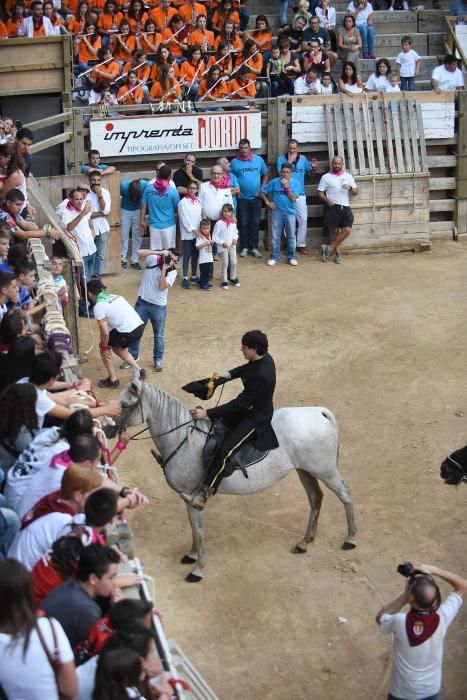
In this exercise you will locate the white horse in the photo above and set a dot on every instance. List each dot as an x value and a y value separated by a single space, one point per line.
308 442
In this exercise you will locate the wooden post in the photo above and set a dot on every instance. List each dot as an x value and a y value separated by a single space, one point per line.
461 167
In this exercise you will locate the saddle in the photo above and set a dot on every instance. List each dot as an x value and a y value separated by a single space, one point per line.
244 457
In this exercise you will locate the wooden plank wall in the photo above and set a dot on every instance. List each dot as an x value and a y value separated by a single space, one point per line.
33 66
56 188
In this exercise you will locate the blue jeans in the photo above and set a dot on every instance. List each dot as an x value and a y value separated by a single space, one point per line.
283 7
99 260
368 37
280 221
408 84
88 268
244 17
9 526
190 252
249 216
156 314
432 697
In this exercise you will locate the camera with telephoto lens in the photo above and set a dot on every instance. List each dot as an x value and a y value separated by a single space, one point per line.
408 570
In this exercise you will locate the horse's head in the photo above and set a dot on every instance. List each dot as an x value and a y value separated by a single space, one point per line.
454 467
132 403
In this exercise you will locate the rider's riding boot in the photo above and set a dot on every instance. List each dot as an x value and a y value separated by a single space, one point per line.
198 498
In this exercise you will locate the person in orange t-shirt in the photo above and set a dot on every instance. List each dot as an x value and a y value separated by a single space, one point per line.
166 89
107 73
230 35
69 7
163 14
15 20
240 87
224 13
137 17
191 70
139 65
222 58
261 35
212 87
97 6
56 19
253 60
175 36
76 24
3 31
109 20
164 58
202 36
87 46
131 93
123 44
189 11
149 40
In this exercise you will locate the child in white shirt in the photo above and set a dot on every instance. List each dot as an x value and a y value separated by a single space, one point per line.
225 234
59 283
189 217
204 246
393 83
408 65
326 84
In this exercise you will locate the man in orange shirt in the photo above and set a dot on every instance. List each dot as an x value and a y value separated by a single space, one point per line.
36 24
189 11
163 14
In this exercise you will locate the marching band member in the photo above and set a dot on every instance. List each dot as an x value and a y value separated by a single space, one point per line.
202 36
106 73
149 40
163 14
213 87
76 23
164 58
241 87
166 88
109 20
130 93
87 45
123 43
191 70
230 34
175 36
137 17
222 14
261 35
189 11
222 58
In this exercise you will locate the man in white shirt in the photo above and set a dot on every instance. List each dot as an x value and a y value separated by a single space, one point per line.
100 208
151 304
76 217
448 77
36 24
334 189
308 84
419 634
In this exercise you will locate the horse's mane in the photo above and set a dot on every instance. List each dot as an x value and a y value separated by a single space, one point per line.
175 411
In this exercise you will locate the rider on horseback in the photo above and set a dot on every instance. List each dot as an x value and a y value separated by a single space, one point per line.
248 416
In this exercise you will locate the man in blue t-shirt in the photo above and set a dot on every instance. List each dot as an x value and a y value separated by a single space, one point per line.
284 191
301 167
131 192
95 164
251 172
160 201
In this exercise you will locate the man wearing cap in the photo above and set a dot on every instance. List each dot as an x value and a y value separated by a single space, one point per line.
248 416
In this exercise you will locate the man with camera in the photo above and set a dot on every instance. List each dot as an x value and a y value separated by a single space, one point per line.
151 305
419 634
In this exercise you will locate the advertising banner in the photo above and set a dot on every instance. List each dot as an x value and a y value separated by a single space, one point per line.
171 133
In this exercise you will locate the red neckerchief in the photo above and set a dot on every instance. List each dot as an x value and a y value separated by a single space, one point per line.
71 207
51 503
207 236
338 173
193 197
225 180
420 626
227 222
218 187
161 186
249 156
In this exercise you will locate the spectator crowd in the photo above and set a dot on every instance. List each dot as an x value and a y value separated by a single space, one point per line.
133 53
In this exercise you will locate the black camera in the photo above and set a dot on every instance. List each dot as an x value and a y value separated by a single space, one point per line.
408 570
167 259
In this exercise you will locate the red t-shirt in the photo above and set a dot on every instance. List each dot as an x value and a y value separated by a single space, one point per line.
44 579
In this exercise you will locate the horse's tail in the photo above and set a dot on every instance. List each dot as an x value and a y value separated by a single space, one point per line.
332 418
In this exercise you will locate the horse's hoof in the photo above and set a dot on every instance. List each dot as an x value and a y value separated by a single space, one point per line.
193 578
298 549
348 545
187 560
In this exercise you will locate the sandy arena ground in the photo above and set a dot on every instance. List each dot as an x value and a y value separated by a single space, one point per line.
380 340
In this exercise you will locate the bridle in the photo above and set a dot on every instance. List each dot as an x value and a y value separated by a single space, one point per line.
124 424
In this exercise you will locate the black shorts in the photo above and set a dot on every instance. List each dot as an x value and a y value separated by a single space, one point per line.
338 216
123 340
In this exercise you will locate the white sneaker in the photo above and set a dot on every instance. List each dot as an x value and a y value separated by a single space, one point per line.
293 262
391 9
244 252
126 365
271 262
255 253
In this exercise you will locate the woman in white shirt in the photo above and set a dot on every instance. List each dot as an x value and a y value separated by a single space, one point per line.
363 11
327 20
27 643
350 82
379 80
119 326
189 217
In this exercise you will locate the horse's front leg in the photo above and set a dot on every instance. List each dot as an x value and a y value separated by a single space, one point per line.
197 554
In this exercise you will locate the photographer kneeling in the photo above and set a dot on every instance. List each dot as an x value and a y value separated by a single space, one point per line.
419 634
151 305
